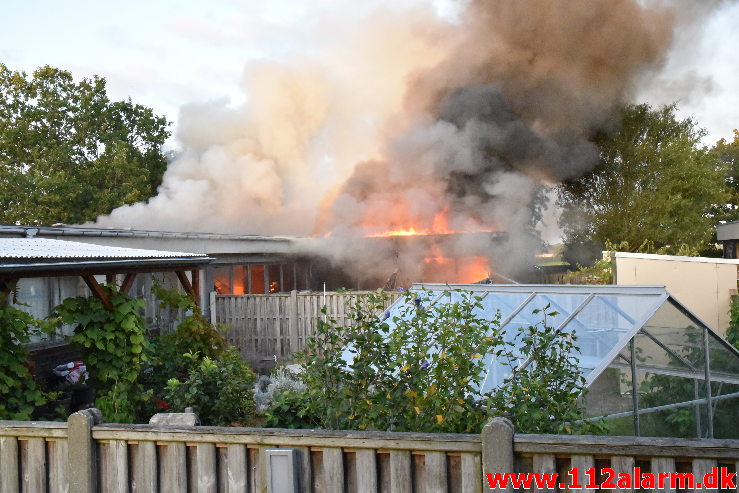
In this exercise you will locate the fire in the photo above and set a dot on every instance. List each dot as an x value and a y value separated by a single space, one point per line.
439 226
439 268
399 232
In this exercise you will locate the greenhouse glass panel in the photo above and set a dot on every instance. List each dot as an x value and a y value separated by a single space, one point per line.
652 368
505 303
562 305
724 364
679 337
606 322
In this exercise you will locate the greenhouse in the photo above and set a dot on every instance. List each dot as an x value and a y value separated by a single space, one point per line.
651 367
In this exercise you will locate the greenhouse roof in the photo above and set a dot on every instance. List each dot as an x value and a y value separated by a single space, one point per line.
629 337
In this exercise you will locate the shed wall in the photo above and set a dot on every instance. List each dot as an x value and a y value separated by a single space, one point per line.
703 285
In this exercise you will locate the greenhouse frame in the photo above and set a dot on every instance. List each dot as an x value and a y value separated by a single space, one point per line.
629 337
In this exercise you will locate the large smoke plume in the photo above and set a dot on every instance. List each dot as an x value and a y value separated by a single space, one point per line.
404 119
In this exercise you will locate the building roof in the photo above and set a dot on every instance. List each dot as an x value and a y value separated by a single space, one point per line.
37 248
22 256
205 243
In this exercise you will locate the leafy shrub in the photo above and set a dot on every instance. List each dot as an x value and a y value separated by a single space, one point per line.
732 332
219 391
171 355
269 388
420 370
545 396
113 345
19 392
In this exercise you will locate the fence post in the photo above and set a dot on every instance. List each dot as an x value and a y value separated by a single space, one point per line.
497 450
82 460
212 306
292 313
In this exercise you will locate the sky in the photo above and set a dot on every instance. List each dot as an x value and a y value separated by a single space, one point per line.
168 53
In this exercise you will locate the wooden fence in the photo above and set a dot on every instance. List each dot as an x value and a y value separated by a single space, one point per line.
86 456
273 327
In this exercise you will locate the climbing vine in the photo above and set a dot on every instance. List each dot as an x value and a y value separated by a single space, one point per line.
19 392
113 346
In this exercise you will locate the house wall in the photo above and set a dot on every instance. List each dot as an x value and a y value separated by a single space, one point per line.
703 285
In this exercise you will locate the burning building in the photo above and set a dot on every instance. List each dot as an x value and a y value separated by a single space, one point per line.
407 143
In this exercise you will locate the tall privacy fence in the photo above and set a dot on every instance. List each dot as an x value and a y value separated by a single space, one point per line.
273 327
85 456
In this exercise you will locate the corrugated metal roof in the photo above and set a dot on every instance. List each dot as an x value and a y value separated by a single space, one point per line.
44 248
130 233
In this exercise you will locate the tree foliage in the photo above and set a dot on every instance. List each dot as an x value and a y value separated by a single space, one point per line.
728 153
68 153
654 181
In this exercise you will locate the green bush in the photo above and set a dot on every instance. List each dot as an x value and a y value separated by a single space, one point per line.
420 371
19 392
219 391
172 355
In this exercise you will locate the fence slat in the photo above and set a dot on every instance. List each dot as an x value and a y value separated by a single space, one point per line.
400 471
237 471
58 472
9 480
34 467
582 463
366 471
622 465
306 473
205 460
436 466
701 467
471 473
144 465
116 467
174 468
663 464
544 464
333 469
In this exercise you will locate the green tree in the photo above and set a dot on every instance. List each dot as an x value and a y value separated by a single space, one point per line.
68 153
728 153
654 182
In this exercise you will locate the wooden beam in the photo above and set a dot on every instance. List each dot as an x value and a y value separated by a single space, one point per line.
196 284
98 291
109 278
182 276
127 282
99 271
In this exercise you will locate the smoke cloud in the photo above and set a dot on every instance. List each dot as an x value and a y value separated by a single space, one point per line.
404 122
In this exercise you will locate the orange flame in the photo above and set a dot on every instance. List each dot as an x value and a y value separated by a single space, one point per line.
439 226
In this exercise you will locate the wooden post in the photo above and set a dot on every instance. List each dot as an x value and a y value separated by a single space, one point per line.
82 453
195 274
182 276
98 291
497 449
293 325
213 314
127 282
